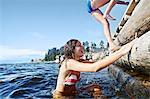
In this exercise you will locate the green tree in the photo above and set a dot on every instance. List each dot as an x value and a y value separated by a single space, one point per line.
101 44
93 46
86 46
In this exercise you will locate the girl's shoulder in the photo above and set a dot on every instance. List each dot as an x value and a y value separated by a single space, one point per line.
66 62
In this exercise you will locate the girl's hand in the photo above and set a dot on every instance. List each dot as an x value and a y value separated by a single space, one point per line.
126 48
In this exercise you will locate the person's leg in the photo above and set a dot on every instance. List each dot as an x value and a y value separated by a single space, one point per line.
97 14
93 9
108 9
98 3
110 6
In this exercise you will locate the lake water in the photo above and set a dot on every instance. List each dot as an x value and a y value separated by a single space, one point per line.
37 81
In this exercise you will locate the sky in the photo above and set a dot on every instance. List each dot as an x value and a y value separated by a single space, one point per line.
28 28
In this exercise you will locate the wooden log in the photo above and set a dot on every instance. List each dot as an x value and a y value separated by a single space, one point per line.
131 7
135 85
139 58
126 17
127 13
139 22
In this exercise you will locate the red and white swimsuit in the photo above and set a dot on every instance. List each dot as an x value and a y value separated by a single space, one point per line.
72 79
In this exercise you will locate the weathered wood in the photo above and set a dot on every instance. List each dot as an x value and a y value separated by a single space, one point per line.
135 85
139 22
131 7
127 14
139 57
126 17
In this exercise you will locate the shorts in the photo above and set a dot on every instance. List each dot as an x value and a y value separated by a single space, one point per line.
89 7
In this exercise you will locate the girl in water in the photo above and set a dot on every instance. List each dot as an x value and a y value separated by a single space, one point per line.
93 8
73 64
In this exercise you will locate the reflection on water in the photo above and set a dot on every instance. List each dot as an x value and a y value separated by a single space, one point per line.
39 80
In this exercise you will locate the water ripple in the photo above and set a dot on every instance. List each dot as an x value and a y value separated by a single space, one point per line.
37 81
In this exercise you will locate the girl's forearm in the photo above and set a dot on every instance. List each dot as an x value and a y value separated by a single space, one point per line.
107 60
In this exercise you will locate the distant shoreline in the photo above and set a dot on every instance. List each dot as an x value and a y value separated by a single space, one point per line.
49 62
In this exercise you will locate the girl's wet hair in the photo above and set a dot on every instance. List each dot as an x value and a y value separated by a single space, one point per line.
69 49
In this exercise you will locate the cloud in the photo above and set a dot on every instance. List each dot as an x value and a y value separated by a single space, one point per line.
7 53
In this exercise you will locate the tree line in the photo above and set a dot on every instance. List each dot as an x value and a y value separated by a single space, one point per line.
52 53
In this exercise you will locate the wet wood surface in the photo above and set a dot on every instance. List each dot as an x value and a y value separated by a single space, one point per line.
136 85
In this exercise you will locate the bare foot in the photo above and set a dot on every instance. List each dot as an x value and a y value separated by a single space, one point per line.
109 17
122 2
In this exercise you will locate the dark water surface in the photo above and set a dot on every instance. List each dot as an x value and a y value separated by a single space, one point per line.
39 80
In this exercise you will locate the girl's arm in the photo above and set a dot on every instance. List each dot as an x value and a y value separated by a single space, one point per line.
100 64
93 67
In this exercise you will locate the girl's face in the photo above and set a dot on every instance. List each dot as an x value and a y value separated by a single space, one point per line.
79 50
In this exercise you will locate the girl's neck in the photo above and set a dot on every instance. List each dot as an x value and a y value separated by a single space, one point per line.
77 58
